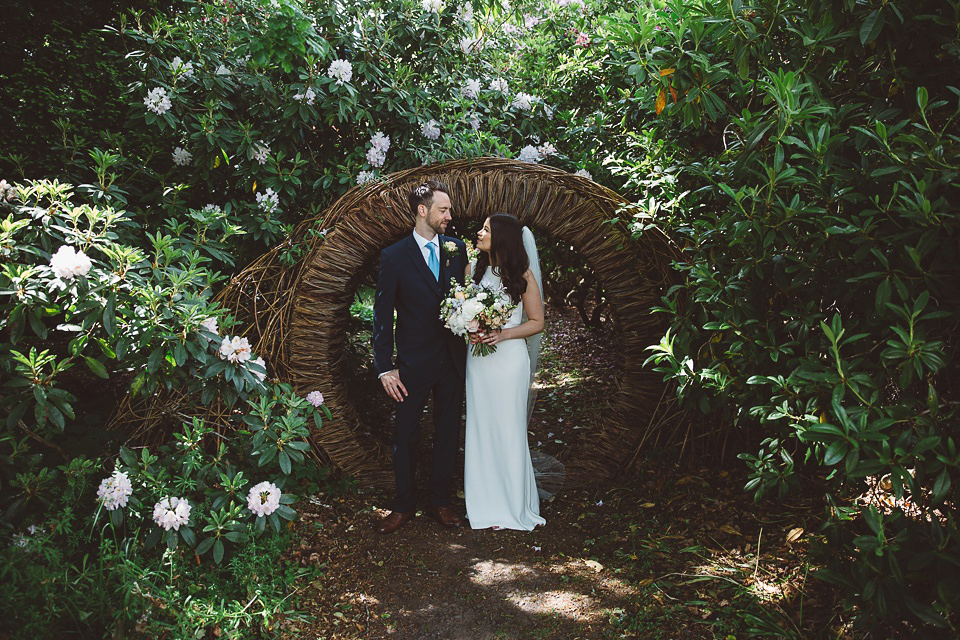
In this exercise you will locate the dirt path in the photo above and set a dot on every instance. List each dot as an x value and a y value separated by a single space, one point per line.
669 555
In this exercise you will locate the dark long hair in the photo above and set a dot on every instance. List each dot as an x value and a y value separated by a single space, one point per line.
509 256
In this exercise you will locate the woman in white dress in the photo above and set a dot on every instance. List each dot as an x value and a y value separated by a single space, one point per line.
499 483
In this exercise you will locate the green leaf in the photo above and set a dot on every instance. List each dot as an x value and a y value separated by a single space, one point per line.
96 366
137 382
56 417
129 457
152 538
218 551
110 315
941 486
871 27
37 325
922 98
835 453
154 360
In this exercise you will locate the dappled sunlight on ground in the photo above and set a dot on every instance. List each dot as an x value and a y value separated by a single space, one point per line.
667 555
488 572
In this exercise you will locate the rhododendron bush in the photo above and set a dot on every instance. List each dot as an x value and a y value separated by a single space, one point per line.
802 154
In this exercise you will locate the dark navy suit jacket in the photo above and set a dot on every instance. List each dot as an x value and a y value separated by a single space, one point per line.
405 284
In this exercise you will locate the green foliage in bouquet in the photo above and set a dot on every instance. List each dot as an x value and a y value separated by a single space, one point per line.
808 163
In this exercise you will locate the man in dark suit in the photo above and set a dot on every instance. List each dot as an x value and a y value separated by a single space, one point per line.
413 279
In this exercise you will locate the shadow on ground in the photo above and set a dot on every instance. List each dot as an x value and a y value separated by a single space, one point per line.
668 554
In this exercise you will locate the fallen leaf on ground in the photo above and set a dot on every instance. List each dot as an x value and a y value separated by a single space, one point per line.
593 564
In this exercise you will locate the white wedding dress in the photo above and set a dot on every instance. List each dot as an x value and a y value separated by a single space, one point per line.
498 478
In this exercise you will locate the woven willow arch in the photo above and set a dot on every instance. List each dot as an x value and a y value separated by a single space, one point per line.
298 317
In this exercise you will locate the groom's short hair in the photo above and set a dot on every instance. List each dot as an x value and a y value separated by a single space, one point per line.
422 194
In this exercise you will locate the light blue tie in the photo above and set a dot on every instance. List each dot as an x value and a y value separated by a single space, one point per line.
432 261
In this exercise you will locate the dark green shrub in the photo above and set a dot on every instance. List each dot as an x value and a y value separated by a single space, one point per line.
812 157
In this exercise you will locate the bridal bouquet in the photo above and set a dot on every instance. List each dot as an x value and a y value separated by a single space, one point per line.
476 307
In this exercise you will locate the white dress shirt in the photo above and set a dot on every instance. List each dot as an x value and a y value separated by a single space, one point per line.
424 251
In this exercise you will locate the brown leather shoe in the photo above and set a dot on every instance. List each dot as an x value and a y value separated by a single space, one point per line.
394 520
445 516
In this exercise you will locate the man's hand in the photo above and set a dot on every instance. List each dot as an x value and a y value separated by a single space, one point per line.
393 386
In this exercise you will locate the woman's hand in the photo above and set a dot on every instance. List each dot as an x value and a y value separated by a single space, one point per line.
493 337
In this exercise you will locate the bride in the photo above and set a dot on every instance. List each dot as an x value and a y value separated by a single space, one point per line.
499 483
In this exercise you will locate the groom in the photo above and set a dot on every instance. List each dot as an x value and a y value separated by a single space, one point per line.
413 279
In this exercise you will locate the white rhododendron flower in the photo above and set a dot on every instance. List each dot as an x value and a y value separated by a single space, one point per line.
179 67
474 121
223 71
471 89
315 398
529 154
380 141
523 101
210 324
263 499
377 153
307 96
261 376
7 191
470 45
171 513
498 84
261 151
436 6
341 70
430 130
235 349
157 101
376 157
268 201
366 176
465 12
583 173
547 149
67 263
182 157
115 491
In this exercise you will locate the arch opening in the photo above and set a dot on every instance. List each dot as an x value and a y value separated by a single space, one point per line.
569 210
299 319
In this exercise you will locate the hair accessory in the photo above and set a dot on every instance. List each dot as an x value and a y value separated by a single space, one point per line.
421 191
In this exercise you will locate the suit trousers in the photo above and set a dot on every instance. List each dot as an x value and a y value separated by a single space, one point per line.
447 388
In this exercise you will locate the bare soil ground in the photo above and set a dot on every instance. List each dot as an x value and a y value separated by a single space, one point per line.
669 552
